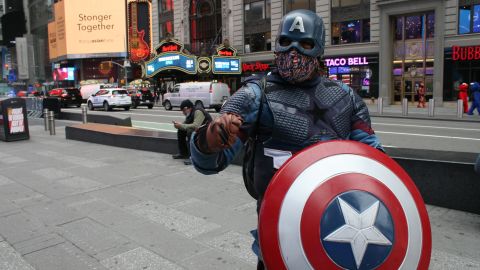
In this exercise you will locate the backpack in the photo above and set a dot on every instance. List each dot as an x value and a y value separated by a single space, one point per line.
250 147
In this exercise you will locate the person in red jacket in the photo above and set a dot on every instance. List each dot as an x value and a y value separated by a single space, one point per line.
463 95
421 95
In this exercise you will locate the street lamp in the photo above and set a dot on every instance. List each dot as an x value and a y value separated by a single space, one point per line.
126 64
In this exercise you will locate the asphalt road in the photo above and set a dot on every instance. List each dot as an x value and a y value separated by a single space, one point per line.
457 136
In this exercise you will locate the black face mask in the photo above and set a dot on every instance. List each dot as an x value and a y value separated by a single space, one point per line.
295 67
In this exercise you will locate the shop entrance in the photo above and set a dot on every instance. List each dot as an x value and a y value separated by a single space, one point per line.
410 88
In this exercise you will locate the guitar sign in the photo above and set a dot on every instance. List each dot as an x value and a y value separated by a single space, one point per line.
139 49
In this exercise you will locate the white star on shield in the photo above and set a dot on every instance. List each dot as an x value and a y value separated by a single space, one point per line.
359 230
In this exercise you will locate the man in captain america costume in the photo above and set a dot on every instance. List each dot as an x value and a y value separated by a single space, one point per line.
298 109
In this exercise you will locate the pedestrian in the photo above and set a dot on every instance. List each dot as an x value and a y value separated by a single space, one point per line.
421 95
475 88
290 109
194 118
463 95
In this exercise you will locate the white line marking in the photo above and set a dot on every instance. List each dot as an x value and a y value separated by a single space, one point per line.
421 126
152 128
425 135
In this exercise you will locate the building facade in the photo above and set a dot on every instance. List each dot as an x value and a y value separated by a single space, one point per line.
382 48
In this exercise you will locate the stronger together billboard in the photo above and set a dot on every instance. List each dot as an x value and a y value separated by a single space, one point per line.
87 27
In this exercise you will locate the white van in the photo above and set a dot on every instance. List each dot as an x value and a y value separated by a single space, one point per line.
202 94
87 90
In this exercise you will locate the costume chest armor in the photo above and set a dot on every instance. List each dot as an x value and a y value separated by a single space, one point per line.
304 116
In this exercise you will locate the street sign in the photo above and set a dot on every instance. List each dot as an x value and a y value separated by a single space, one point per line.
343 205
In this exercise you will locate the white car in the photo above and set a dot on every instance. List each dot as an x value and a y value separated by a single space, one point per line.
110 98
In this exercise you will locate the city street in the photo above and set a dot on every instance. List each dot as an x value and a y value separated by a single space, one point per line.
431 134
74 205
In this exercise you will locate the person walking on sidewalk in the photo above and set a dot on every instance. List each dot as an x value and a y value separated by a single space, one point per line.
194 118
292 108
463 95
421 96
475 87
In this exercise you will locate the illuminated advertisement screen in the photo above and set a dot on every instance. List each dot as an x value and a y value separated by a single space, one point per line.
89 27
226 65
64 74
176 61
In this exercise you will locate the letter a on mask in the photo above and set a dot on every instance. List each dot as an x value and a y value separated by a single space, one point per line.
297 24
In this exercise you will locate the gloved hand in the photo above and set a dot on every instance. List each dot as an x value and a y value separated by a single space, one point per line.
219 134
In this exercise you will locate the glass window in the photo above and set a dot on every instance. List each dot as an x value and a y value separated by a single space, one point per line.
464 20
166 27
258 42
335 3
165 6
413 27
430 25
399 28
268 9
205 26
346 3
254 11
299 4
476 18
351 31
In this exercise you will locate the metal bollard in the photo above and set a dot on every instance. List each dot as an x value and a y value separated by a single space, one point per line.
84 113
431 107
51 122
460 108
45 118
380 105
404 107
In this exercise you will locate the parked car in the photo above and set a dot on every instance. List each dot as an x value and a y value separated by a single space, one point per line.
110 98
141 97
67 96
202 94
87 90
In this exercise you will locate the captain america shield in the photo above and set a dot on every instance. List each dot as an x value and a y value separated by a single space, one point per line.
343 205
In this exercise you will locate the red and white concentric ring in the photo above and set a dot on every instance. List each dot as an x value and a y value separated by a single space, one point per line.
280 226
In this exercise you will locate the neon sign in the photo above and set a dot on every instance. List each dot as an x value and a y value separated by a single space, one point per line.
226 65
170 48
465 53
257 66
348 61
225 53
178 61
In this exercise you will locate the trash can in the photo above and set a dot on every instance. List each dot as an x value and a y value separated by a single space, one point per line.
13 120
52 104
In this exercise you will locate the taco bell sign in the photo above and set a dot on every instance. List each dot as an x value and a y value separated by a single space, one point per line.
347 61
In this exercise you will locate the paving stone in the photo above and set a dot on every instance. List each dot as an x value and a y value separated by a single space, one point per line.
447 261
52 173
38 243
188 225
91 236
20 227
216 259
5 180
234 220
235 244
53 213
170 245
151 193
138 259
11 260
116 197
62 257
6 206
76 160
111 216
15 192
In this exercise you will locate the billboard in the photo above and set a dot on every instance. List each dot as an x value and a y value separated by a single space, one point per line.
64 74
52 40
139 36
89 27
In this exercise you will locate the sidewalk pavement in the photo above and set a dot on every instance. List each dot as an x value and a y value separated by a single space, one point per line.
446 112
75 205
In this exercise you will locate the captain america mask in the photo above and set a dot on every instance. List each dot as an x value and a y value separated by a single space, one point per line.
295 67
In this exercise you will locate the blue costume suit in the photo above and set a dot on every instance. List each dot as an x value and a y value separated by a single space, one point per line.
476 99
294 116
